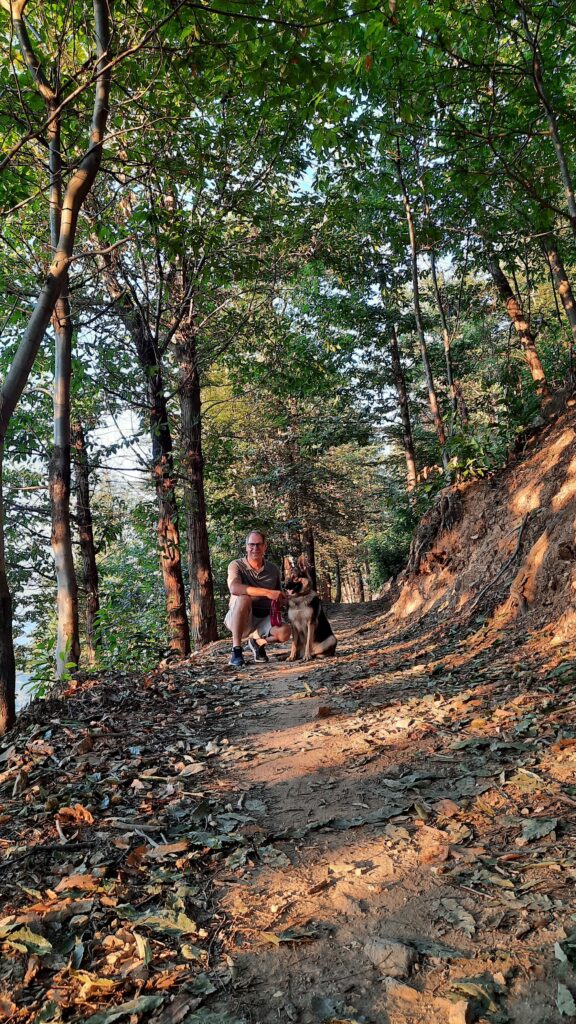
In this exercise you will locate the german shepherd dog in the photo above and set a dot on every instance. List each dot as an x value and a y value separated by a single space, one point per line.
311 632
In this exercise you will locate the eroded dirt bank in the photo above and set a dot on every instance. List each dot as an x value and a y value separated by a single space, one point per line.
386 836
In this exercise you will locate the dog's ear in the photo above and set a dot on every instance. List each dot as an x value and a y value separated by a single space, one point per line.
303 565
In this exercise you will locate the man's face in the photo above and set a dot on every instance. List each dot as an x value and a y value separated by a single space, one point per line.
255 547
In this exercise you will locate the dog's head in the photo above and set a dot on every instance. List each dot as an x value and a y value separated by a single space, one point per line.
299 581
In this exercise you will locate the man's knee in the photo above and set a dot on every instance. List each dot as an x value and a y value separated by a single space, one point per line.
242 606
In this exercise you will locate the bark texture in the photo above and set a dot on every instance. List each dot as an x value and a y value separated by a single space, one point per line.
86 538
456 397
68 634
203 623
309 550
400 385
163 471
563 287
432 395
521 326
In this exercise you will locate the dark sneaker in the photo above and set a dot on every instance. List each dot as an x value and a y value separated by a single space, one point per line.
237 658
258 650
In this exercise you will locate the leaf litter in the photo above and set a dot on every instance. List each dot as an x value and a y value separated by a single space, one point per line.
198 846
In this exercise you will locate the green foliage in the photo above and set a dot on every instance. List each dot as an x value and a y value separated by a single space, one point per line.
131 624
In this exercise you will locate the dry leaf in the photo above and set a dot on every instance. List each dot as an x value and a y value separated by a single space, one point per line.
77 815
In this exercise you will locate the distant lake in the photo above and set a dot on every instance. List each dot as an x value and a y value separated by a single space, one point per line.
23 696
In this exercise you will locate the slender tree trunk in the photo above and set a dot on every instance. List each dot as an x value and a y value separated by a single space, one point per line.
541 92
359 584
203 621
163 472
86 536
68 636
456 396
432 396
337 581
78 188
521 326
367 587
7 661
562 284
400 385
310 553
168 529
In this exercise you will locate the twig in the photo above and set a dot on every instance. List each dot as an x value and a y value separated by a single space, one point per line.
505 566
37 851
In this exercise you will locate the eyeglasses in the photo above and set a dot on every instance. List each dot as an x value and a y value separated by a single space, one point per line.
260 545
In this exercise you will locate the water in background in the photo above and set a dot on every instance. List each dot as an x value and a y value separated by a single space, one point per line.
23 694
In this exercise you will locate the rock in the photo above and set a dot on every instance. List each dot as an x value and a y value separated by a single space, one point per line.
393 958
461 1013
404 993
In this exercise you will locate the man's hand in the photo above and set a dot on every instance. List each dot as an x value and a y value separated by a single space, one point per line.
276 595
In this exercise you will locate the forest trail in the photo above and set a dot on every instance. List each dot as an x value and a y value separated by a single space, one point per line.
386 836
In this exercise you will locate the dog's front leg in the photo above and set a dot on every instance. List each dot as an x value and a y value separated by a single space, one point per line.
294 652
310 634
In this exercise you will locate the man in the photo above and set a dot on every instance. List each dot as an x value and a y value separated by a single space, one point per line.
253 583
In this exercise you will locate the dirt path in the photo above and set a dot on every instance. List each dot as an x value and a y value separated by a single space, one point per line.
382 837
432 892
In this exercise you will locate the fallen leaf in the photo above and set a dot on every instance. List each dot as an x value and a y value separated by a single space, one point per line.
537 828
27 941
77 815
565 1001
143 1004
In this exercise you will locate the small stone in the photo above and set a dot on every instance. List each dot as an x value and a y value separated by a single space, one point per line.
393 958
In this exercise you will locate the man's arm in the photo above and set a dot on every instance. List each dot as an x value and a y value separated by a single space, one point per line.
239 589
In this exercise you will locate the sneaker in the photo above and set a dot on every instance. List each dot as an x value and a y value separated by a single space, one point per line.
237 658
258 650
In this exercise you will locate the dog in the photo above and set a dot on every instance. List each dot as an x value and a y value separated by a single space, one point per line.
311 632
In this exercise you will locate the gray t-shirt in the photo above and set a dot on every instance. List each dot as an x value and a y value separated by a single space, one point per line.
239 571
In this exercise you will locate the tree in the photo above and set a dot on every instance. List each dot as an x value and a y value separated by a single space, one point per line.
79 184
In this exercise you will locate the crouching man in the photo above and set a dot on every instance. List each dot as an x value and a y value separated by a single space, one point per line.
253 583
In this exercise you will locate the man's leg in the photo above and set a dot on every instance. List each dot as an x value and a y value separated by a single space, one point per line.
264 630
279 634
240 619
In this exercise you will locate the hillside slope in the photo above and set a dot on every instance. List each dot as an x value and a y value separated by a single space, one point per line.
509 552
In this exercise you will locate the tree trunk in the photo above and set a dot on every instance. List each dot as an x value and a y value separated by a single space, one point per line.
456 396
400 385
168 529
78 188
68 636
432 396
562 284
86 536
163 472
309 551
367 587
337 582
359 584
7 661
540 89
521 326
203 622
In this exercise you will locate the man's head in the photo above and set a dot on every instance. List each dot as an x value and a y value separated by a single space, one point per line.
255 546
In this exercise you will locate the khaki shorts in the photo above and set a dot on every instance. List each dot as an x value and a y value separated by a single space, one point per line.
256 627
